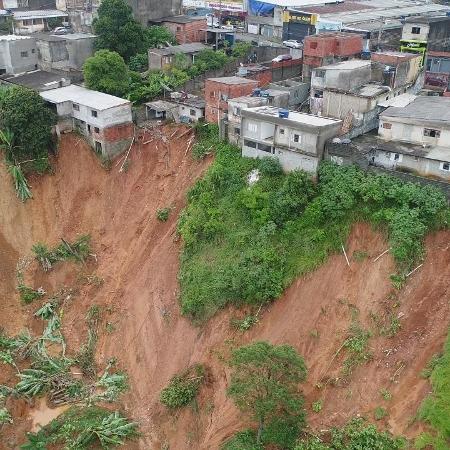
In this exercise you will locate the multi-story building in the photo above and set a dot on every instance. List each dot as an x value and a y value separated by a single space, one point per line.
18 54
296 139
104 120
161 58
219 90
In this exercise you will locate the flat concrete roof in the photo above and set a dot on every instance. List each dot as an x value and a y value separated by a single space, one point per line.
38 14
13 37
183 48
161 105
37 79
247 99
86 97
63 37
400 101
425 109
352 64
233 80
294 116
180 19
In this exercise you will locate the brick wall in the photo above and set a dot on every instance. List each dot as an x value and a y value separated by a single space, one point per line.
188 32
325 44
215 92
117 132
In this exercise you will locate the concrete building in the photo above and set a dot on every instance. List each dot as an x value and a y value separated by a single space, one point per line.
425 32
160 58
437 75
219 90
271 97
328 48
297 140
186 110
186 29
38 80
297 90
28 4
413 139
66 53
26 22
104 120
18 54
147 11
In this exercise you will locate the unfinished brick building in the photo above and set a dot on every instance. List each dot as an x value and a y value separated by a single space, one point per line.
219 90
329 48
186 29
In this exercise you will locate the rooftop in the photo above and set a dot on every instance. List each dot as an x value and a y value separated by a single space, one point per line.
352 64
370 90
86 97
424 109
38 14
183 48
62 37
180 19
37 79
232 80
428 19
247 99
13 37
294 116
161 105
403 55
296 3
399 102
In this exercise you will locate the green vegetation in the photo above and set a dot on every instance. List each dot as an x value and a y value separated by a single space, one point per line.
86 356
435 410
241 48
356 435
357 349
5 416
264 384
379 413
244 440
385 394
244 324
83 428
317 406
244 243
77 251
117 30
25 135
359 255
27 294
182 389
107 72
163 214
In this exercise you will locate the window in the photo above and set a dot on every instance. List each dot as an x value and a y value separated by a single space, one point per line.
237 131
313 45
431 133
94 113
27 22
33 50
98 146
296 138
76 107
178 28
415 30
212 94
24 54
396 157
250 144
223 97
386 125
236 110
97 129
37 22
281 131
320 73
252 127
265 148
445 166
89 128
192 112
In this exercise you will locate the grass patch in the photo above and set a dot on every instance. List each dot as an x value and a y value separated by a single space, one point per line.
357 346
182 389
244 243
435 409
317 406
86 356
83 428
379 413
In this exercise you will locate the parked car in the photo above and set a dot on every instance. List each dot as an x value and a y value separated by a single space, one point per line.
292 43
280 58
62 30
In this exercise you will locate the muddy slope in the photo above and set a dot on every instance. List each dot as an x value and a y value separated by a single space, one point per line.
138 261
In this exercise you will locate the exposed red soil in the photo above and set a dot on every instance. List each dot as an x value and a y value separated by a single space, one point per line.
138 261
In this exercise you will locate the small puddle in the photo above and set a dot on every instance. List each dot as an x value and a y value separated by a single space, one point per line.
42 415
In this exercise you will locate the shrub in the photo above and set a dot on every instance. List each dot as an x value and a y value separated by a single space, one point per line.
163 214
182 389
379 413
243 440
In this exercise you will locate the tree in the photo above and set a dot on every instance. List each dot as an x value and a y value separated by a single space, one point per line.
264 383
158 35
117 30
107 72
138 62
27 122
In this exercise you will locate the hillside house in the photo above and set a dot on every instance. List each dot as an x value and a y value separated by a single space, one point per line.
104 120
26 22
161 58
18 54
296 139
186 29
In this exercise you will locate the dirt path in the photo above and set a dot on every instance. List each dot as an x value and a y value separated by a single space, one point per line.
138 262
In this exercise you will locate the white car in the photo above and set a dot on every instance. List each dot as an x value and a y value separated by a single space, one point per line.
280 58
292 43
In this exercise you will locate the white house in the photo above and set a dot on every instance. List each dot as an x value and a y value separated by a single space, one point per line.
18 54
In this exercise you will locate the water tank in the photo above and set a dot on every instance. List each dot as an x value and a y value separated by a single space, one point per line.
283 113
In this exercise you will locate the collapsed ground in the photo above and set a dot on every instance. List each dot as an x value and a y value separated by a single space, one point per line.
138 261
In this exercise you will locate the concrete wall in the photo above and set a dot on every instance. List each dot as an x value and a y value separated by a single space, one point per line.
18 56
298 91
408 34
148 10
345 80
194 114
390 129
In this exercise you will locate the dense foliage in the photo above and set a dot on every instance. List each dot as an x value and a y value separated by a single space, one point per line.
156 36
356 435
27 121
264 384
244 243
182 389
435 409
83 428
107 72
117 30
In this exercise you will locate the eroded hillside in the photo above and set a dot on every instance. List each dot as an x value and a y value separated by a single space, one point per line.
138 260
